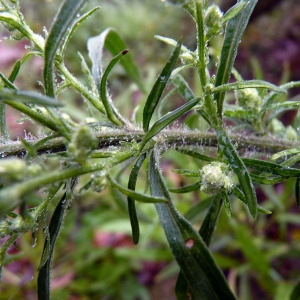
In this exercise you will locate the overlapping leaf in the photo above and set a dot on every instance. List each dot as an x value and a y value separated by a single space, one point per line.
58 33
111 40
199 270
159 86
233 34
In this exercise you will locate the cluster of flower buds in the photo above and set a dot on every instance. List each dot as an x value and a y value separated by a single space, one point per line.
215 178
213 21
249 99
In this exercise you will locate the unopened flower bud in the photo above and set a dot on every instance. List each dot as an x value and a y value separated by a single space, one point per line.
216 177
277 128
248 98
291 134
99 182
213 21
83 142
12 168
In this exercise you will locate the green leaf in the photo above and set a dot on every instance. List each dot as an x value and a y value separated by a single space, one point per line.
258 84
197 266
187 172
196 155
278 108
271 168
166 120
241 115
111 40
131 203
263 179
233 34
171 42
13 75
58 33
240 170
74 26
187 94
195 212
239 194
112 113
54 229
27 97
233 11
210 221
159 86
135 195
7 82
186 189
183 88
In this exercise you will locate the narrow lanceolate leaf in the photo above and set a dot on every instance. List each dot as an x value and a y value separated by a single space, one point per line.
167 119
233 11
7 82
58 33
74 26
198 271
13 75
258 84
239 194
183 88
240 170
112 41
187 172
27 97
196 155
112 113
233 34
187 188
54 229
271 168
159 86
210 221
131 203
135 195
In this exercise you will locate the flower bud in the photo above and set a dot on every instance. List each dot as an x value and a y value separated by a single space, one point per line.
213 21
291 134
215 178
248 98
98 182
83 142
12 168
277 128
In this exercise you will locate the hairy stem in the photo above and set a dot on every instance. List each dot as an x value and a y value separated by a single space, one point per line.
168 138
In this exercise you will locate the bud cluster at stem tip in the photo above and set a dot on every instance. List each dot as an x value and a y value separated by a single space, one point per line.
248 99
215 178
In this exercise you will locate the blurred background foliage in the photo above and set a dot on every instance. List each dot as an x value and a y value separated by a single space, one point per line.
94 257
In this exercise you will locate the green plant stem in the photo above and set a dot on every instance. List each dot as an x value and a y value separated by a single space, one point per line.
3 125
168 138
17 191
32 114
201 44
79 87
